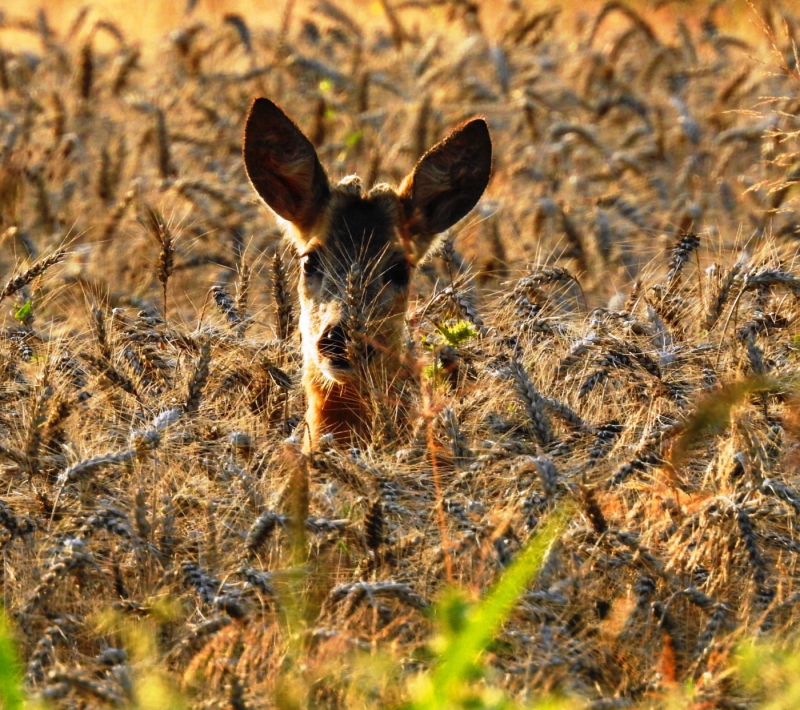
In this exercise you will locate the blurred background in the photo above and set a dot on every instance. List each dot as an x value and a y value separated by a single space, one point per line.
148 19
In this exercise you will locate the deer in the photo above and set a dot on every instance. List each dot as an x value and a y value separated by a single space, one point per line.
357 250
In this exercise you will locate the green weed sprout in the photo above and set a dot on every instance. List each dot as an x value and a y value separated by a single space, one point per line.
467 631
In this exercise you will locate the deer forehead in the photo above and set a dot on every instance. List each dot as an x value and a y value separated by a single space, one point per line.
358 228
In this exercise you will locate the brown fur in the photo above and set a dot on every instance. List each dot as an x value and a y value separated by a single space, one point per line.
382 234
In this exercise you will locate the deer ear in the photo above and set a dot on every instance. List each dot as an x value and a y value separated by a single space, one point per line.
447 182
283 166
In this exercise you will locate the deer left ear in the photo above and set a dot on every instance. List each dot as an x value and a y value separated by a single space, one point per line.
447 182
283 166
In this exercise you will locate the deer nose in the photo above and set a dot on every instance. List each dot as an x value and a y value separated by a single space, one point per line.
333 345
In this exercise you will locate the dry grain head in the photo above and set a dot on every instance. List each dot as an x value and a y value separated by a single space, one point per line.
358 250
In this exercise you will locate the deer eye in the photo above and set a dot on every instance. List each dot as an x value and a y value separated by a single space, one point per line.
398 274
312 264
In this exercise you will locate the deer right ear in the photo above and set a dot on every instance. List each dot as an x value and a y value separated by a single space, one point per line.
447 182
283 166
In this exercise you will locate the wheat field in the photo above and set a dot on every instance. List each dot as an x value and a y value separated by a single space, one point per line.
611 335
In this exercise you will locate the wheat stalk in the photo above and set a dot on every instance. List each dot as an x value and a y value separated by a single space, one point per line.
18 282
158 228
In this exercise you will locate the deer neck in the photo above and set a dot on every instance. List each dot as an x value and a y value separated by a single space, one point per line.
342 410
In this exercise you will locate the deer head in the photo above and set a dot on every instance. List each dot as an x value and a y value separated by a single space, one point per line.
358 248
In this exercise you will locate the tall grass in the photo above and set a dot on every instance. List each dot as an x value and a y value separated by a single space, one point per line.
615 325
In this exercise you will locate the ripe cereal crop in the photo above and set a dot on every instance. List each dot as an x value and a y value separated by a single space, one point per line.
606 336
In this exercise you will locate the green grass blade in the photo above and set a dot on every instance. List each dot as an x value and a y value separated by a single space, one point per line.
487 618
10 673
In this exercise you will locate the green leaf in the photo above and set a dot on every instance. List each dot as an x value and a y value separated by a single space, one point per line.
453 614
457 333
10 672
469 632
353 139
433 373
24 311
